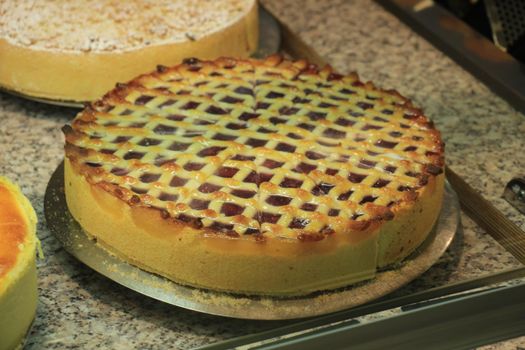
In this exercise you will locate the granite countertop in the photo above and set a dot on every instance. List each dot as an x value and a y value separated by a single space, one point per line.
484 142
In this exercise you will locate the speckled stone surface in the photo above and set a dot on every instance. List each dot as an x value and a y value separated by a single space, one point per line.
80 309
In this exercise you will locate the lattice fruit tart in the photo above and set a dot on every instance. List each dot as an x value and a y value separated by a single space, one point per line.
18 244
76 50
265 177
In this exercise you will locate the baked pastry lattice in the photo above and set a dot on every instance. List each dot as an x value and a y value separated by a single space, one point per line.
260 150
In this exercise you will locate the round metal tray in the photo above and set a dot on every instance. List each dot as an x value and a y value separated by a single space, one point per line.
76 242
269 43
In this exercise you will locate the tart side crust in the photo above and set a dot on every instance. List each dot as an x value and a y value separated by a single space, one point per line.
412 223
242 264
217 261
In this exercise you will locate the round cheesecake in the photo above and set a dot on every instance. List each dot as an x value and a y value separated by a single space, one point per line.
269 177
77 50
18 288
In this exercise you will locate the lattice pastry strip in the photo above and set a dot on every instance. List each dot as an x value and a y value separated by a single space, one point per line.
269 147
217 93
223 201
289 201
375 139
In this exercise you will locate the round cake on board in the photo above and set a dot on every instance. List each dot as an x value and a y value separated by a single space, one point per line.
77 50
269 177
18 244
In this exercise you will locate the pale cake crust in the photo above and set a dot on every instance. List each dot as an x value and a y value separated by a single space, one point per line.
18 284
373 210
80 72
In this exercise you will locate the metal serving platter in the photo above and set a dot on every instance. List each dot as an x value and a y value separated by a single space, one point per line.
76 242
269 43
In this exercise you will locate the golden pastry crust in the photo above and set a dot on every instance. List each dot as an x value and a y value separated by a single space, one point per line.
75 72
266 177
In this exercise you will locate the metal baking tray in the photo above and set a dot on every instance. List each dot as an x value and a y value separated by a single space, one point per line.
76 242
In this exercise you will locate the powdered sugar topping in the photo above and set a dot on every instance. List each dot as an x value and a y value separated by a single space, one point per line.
109 25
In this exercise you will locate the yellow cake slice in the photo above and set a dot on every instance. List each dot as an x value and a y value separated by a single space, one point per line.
18 286
77 50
